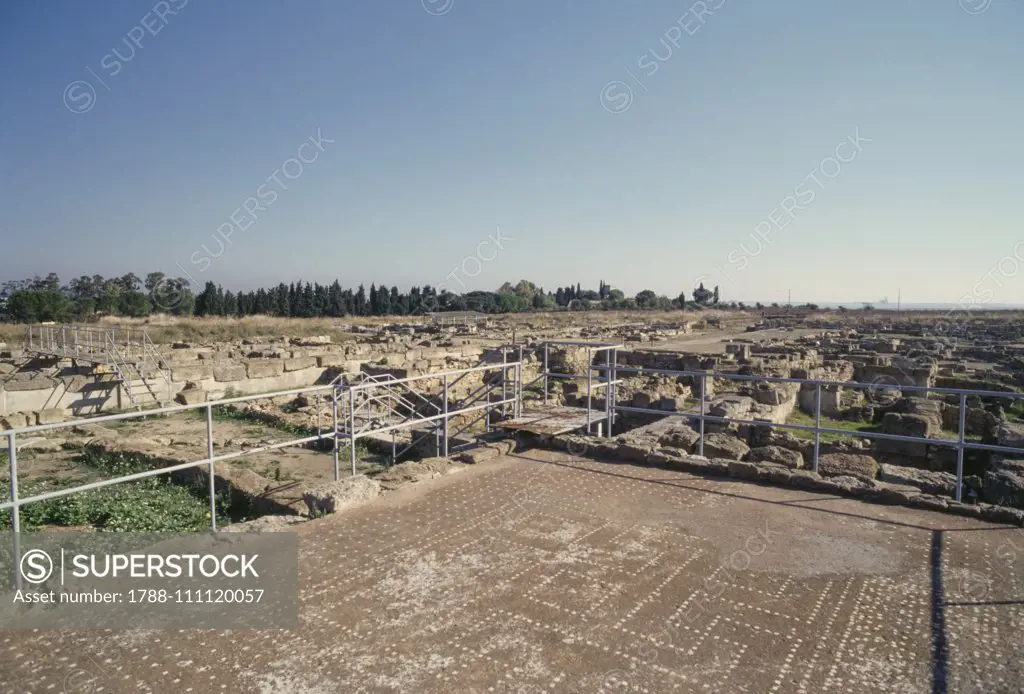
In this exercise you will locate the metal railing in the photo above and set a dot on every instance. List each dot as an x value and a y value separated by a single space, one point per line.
960 444
130 353
484 400
337 392
609 381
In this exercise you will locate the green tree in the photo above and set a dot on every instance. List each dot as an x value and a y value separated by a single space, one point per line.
646 299
132 303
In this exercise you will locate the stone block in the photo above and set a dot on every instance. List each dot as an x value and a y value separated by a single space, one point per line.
75 384
334 359
229 372
643 399
41 444
732 407
928 481
264 369
672 404
908 425
312 340
21 384
724 446
804 479
682 438
300 363
335 496
1004 487
1011 434
479 455
776 454
633 452
777 475
1001 514
17 420
848 464
191 397
769 396
49 416
191 373
744 471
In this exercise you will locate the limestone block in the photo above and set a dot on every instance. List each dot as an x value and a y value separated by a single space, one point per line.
672 404
724 446
264 369
17 420
335 496
75 384
224 373
51 416
334 359
191 373
776 454
300 363
38 383
1004 487
191 397
848 464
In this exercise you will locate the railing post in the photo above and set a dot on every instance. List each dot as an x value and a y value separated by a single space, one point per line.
960 447
444 403
522 392
703 390
545 373
334 410
12 458
519 384
318 427
613 388
504 380
590 382
352 428
817 424
608 393
213 480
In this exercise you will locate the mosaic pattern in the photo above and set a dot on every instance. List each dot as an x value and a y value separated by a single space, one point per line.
547 573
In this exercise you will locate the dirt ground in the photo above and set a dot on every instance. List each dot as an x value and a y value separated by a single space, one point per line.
547 573
714 341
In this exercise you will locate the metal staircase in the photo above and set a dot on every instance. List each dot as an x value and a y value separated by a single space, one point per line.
385 402
128 353
408 418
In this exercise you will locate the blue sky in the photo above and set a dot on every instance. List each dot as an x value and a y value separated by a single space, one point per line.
487 115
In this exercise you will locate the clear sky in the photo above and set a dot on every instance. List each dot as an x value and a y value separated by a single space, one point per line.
451 119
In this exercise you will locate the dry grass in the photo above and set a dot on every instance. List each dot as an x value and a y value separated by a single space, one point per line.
165 329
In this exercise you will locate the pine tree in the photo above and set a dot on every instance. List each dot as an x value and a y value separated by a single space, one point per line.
359 301
335 307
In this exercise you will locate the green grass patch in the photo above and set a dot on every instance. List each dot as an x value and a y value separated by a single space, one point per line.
1015 410
154 504
801 418
804 419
